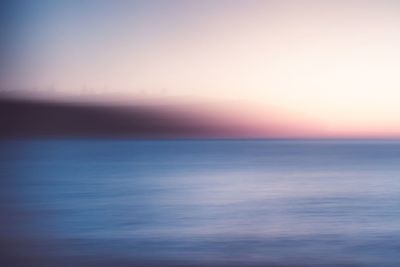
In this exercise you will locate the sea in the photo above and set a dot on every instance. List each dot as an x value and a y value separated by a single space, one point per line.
94 202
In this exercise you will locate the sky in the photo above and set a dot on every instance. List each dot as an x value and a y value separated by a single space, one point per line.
323 68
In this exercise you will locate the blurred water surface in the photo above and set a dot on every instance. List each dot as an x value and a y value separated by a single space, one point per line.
261 203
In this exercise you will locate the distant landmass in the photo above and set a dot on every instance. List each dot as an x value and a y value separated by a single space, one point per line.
21 118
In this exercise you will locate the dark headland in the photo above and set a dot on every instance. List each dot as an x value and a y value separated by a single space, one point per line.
22 118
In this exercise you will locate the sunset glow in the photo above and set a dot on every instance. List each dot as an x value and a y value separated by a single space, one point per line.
313 68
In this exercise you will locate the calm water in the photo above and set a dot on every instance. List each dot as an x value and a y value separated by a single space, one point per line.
200 203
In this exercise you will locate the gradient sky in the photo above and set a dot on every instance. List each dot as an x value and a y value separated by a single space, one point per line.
330 68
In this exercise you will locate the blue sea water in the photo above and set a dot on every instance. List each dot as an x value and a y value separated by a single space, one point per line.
199 203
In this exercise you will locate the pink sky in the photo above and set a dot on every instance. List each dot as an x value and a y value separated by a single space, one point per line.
303 68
